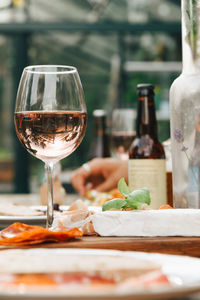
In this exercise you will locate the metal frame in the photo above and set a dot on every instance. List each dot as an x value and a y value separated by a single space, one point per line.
20 33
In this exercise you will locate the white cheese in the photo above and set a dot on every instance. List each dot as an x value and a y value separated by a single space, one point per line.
165 222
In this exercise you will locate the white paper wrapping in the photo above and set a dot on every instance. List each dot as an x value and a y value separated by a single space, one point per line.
149 223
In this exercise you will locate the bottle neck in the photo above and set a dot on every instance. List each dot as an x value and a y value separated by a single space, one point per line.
146 120
190 36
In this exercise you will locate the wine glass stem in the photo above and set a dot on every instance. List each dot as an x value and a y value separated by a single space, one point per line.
49 169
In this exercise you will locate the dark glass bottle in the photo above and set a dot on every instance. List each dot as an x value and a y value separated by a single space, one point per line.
100 144
147 165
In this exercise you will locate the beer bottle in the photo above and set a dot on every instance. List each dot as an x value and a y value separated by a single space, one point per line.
147 165
100 144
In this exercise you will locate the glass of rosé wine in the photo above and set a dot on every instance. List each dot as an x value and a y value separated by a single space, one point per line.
122 131
50 116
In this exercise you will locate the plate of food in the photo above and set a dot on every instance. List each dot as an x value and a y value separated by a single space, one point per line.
78 215
28 214
36 214
131 214
95 274
11 212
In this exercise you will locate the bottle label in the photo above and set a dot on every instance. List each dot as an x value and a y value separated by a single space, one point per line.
149 173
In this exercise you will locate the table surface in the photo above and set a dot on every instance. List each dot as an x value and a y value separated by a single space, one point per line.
189 246
168 245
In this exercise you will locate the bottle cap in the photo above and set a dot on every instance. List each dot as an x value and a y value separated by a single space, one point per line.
144 89
99 113
148 86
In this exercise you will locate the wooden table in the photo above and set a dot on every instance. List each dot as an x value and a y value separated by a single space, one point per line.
169 245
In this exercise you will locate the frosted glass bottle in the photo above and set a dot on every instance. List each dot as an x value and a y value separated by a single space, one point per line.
185 113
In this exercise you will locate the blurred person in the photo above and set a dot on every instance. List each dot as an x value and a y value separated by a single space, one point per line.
101 174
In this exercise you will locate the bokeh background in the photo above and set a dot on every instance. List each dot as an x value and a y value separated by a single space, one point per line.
115 44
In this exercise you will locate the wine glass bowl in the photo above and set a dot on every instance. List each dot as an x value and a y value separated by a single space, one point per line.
50 116
122 131
50 136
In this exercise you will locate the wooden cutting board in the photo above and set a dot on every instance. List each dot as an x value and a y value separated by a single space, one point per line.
168 245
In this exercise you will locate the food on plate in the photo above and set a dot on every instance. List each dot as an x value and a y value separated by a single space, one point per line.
133 200
11 209
71 223
22 234
78 204
89 272
149 280
137 199
122 198
78 215
52 280
165 206
82 281
18 210
92 221
99 198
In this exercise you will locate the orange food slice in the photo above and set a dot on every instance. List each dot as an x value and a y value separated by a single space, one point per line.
22 234
165 206
115 193
34 279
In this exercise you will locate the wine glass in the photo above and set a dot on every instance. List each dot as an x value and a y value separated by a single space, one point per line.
50 116
122 131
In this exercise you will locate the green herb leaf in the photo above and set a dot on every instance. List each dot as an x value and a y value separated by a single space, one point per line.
135 205
138 197
134 199
114 204
123 187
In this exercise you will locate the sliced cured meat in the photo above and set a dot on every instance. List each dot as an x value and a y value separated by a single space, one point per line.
22 234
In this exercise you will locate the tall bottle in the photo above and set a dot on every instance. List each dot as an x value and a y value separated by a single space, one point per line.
185 112
100 144
193 191
147 165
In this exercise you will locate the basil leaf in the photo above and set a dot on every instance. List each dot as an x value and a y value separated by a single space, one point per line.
114 204
123 187
138 197
135 205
